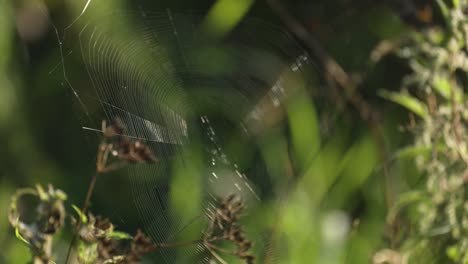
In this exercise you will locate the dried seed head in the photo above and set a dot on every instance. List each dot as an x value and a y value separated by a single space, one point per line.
224 226
122 149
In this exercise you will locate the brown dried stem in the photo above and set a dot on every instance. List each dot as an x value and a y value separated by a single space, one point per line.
114 152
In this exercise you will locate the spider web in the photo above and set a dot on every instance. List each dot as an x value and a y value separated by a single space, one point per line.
201 104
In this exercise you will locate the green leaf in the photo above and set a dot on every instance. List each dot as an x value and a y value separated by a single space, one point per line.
385 24
186 188
61 195
356 166
323 170
119 235
409 102
443 8
304 127
404 199
443 87
41 193
224 15
20 237
83 217
453 253
412 151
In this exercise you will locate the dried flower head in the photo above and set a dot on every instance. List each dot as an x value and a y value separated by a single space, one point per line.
48 220
99 242
117 149
224 226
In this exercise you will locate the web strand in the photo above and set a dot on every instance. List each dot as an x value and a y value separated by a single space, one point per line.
157 77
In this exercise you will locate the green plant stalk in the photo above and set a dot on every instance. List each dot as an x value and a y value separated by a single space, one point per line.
89 193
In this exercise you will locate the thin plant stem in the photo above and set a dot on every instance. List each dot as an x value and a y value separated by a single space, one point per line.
222 250
214 254
89 193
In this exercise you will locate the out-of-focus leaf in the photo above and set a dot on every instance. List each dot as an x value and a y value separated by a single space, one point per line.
118 235
335 230
407 101
186 191
20 237
412 151
225 14
304 127
324 169
385 24
453 253
300 229
83 217
42 194
356 166
443 8
61 195
443 87
404 200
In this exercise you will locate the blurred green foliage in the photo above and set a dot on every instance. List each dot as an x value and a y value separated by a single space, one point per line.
435 91
331 181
